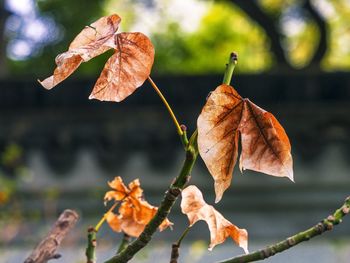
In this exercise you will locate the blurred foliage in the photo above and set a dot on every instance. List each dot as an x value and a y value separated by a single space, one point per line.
224 27
11 168
206 50
70 16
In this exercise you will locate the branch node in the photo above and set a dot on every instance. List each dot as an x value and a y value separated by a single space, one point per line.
329 226
291 241
345 210
331 218
320 228
174 192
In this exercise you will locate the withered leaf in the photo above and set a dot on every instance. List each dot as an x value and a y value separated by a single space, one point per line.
218 135
134 212
120 191
194 206
125 70
92 41
265 145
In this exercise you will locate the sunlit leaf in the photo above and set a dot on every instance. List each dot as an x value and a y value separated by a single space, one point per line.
194 206
134 212
265 144
92 41
218 135
127 69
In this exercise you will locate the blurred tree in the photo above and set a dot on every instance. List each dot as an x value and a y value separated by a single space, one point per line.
3 17
279 35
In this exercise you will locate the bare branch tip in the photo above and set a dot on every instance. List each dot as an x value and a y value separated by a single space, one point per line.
234 56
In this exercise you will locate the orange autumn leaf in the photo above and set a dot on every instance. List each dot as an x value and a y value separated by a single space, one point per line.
134 212
123 73
265 145
120 191
218 135
194 206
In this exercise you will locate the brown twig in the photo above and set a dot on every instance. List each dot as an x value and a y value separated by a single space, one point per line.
46 249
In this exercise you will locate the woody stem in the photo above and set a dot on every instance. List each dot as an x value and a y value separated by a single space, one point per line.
326 224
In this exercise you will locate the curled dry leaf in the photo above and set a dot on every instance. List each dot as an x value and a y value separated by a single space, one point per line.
134 213
194 206
265 145
120 191
92 41
125 70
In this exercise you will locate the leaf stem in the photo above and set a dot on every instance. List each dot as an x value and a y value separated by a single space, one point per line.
103 219
165 102
326 224
175 248
183 235
230 67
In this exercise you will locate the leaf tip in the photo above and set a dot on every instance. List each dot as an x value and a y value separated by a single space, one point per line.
218 199
47 83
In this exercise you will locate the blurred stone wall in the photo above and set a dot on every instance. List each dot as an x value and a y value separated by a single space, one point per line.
73 146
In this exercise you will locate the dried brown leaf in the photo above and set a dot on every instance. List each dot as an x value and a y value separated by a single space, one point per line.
92 41
218 135
119 192
134 212
194 206
265 144
127 69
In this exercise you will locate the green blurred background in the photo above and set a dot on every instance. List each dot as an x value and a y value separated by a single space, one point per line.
58 149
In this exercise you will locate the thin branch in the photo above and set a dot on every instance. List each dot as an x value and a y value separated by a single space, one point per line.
125 242
46 249
164 209
175 248
325 225
90 251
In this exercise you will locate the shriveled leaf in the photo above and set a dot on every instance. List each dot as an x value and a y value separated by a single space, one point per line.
119 192
194 206
92 41
265 144
134 212
127 69
124 221
218 135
